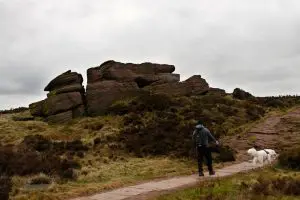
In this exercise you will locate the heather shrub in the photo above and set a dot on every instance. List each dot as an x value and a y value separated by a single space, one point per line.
290 158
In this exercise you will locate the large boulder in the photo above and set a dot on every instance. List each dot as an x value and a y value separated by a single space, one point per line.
66 99
112 70
145 80
60 118
241 94
102 94
192 86
197 84
66 78
61 103
217 91
66 89
112 81
36 109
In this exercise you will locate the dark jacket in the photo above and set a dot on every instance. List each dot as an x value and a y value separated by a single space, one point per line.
202 136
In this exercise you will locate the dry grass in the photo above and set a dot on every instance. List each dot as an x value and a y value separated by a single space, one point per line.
12 132
256 185
103 167
100 176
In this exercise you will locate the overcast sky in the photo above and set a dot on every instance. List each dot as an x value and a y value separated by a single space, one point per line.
251 44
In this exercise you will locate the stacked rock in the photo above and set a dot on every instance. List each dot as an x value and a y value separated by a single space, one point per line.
194 85
112 81
66 99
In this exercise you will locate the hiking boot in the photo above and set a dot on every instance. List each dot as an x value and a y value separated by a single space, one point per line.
201 174
211 173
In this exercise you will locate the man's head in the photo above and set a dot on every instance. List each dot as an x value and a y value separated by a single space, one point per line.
200 122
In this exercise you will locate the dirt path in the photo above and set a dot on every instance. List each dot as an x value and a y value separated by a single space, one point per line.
139 191
274 132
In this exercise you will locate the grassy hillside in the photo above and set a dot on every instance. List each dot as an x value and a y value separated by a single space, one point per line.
140 138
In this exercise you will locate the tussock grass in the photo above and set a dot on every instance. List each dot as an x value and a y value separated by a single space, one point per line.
104 176
40 179
104 166
12 132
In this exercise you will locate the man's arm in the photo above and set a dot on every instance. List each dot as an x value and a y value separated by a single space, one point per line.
212 137
193 137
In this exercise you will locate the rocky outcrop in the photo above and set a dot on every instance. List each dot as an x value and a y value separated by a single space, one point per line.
102 94
112 81
66 99
241 94
108 83
128 72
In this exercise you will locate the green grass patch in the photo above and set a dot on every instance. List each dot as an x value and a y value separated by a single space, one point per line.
270 183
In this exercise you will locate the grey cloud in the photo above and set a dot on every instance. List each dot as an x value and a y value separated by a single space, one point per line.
249 44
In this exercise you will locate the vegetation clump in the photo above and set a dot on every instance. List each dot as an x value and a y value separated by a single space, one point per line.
40 179
290 158
160 125
5 187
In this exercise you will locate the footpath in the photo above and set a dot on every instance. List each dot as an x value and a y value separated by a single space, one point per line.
141 191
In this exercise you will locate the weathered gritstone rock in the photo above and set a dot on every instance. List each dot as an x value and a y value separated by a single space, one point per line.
67 116
241 94
145 80
78 112
108 83
192 86
112 70
62 102
60 118
112 81
102 94
66 99
66 89
217 91
66 78
36 109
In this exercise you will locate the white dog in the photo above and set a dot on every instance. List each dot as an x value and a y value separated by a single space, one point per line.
262 156
272 153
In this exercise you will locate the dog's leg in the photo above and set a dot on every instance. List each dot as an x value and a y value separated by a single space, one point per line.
269 159
261 160
254 161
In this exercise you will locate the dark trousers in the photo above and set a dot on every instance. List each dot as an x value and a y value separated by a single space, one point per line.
202 152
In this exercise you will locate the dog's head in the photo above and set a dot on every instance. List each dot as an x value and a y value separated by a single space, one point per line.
252 152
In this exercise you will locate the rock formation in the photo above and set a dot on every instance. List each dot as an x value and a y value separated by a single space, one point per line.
217 91
112 81
66 99
195 85
107 83
241 94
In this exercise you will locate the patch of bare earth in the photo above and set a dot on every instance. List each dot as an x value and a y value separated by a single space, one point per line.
276 132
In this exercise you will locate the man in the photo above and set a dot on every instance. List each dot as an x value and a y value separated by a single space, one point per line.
201 138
